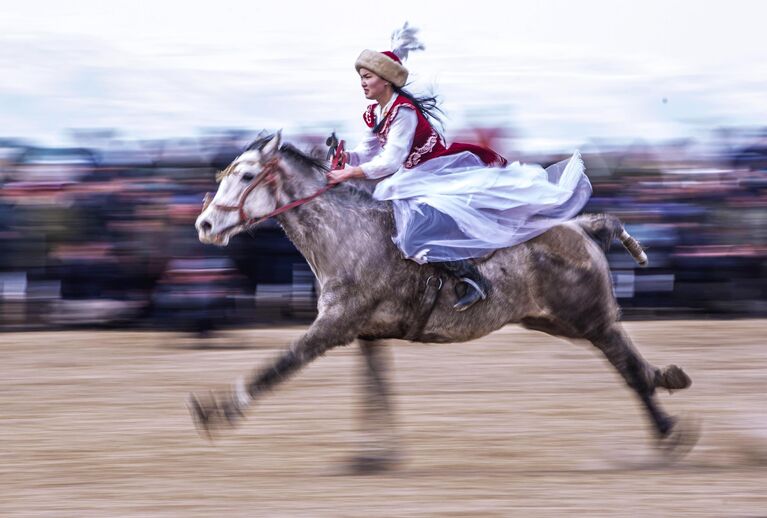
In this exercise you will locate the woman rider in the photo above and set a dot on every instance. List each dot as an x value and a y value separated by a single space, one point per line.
451 203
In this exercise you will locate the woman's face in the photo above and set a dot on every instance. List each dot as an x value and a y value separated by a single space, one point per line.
374 86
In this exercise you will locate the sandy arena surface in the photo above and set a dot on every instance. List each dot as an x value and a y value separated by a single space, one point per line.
515 424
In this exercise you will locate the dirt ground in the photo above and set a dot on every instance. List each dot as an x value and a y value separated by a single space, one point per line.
515 424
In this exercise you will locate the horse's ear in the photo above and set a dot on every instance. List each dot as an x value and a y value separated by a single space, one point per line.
271 147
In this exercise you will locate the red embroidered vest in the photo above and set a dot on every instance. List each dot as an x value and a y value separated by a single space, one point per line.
427 143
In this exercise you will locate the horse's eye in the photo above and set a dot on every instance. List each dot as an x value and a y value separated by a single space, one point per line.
247 177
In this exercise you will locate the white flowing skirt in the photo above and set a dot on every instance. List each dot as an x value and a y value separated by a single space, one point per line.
454 207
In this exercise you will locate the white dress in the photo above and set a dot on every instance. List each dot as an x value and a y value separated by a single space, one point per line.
455 207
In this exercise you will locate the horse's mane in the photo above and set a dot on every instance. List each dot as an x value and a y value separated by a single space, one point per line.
291 152
313 164
288 150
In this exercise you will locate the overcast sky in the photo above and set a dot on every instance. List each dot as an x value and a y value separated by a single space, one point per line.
557 72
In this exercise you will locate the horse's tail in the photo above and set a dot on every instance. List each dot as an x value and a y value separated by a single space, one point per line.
605 228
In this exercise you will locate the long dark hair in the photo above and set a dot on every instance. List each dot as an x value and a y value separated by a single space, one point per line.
428 106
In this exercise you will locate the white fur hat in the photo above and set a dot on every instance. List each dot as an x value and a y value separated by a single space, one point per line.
388 64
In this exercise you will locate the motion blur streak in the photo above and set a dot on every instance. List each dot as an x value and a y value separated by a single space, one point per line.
103 233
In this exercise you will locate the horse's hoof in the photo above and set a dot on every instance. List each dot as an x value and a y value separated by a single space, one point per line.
372 464
219 411
681 439
673 378
200 416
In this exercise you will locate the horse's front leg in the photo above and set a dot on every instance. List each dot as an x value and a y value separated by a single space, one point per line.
379 448
333 327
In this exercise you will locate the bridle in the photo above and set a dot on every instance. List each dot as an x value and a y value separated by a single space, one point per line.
268 175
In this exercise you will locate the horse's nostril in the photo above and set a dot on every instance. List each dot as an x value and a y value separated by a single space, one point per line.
205 226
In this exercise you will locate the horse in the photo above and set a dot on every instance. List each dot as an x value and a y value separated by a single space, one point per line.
558 282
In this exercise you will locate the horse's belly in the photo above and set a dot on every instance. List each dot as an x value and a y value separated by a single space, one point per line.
387 321
443 325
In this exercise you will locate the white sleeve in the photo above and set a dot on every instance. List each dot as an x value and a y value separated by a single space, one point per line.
395 151
365 150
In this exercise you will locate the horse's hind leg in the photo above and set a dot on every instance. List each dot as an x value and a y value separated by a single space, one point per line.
641 375
377 422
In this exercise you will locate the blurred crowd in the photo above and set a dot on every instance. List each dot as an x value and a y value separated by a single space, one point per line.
102 233
700 210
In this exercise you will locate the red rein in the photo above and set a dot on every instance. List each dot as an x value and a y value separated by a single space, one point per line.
269 176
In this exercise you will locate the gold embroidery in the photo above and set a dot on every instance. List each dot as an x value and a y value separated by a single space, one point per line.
418 153
388 120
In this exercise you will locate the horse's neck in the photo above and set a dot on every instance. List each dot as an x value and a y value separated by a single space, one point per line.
329 229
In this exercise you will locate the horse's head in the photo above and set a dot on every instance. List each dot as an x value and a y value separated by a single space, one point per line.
246 192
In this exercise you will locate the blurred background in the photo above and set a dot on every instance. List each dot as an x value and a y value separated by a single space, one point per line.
115 117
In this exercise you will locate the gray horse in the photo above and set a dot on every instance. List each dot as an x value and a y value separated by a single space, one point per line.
558 283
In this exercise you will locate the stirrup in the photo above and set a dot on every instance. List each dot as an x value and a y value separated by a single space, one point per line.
474 295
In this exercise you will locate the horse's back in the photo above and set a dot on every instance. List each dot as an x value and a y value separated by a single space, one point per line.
569 244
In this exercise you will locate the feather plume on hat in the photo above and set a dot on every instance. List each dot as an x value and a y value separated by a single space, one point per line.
405 40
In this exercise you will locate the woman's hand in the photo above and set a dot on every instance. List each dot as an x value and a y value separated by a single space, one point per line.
341 175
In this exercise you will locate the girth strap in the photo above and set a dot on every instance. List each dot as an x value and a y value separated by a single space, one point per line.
426 306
